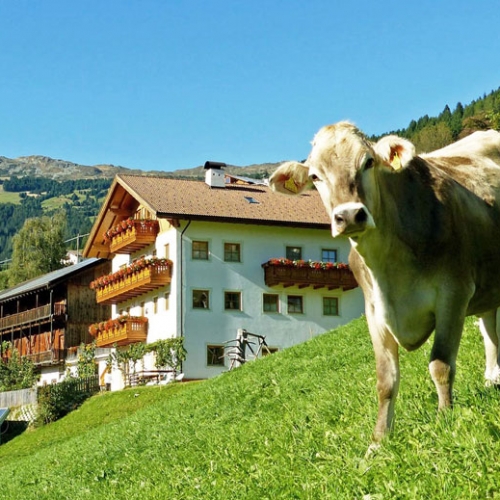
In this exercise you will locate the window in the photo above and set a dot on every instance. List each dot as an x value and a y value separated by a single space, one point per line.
167 300
294 253
295 305
200 250
201 299
215 355
143 308
330 306
271 303
266 350
155 305
328 255
232 301
232 252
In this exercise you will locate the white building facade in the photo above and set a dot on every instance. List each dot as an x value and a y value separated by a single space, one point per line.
217 247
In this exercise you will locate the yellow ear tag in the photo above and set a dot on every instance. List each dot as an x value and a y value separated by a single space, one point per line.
396 162
291 186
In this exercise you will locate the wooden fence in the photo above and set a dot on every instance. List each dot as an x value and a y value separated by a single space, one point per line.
18 398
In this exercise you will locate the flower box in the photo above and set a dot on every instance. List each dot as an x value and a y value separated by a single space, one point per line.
137 278
302 274
123 330
131 235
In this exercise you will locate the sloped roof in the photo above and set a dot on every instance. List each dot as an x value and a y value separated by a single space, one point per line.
196 200
47 280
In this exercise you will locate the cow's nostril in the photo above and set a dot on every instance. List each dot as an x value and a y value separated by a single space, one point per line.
361 216
339 219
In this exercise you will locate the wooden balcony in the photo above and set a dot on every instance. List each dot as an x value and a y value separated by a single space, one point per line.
308 275
129 285
124 332
37 315
136 235
51 357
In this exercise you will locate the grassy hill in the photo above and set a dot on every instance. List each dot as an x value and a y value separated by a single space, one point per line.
294 425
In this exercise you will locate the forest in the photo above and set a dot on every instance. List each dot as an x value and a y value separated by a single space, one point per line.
431 133
79 199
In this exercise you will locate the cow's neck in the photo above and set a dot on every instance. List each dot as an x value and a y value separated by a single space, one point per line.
407 217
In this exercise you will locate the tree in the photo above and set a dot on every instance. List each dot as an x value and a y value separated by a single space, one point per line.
38 248
456 120
432 138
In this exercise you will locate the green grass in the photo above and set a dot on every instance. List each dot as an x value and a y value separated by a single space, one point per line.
8 197
295 425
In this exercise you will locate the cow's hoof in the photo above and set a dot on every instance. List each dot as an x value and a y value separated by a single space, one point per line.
493 378
372 449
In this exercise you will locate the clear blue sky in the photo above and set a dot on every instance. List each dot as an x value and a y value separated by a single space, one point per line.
169 84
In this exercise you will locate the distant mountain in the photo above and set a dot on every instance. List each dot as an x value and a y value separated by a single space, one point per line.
62 170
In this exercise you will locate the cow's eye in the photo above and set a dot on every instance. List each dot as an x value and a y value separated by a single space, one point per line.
369 163
314 178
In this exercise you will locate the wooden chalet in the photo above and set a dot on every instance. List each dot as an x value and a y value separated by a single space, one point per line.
44 317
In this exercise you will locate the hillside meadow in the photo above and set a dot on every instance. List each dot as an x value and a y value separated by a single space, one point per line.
294 425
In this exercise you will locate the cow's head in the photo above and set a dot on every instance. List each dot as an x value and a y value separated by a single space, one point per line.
344 167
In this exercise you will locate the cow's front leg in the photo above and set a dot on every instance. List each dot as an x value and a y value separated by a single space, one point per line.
387 365
489 324
443 359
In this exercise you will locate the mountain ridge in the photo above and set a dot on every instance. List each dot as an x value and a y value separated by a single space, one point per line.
61 170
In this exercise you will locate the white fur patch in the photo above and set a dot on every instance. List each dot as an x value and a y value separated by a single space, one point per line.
351 205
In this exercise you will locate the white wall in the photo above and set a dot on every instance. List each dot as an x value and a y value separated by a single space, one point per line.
216 326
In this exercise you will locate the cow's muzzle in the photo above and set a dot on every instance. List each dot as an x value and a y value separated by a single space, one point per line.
351 219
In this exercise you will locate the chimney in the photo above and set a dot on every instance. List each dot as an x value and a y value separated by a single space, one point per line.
214 175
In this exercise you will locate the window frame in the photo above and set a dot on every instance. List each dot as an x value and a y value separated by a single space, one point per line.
200 290
336 299
231 253
301 297
240 300
277 297
193 251
328 259
291 248
220 361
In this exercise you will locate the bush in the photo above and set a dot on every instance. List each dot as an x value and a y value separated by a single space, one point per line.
57 400
16 372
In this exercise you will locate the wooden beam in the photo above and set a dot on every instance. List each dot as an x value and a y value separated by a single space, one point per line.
122 211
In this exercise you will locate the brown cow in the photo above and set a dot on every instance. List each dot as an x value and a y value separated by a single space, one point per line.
425 243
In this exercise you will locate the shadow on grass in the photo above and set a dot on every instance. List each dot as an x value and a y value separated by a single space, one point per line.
11 429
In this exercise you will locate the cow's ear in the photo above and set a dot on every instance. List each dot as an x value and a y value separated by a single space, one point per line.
290 178
395 151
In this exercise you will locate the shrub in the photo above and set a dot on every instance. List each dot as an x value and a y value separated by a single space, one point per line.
57 400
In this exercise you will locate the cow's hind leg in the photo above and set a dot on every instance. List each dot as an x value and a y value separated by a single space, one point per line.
489 324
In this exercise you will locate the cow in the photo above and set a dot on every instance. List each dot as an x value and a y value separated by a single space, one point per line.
425 244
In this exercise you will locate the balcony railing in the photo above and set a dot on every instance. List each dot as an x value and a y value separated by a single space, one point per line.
306 273
136 279
120 331
35 315
131 235
51 357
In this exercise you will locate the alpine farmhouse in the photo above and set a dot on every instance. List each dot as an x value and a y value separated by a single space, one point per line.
203 260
